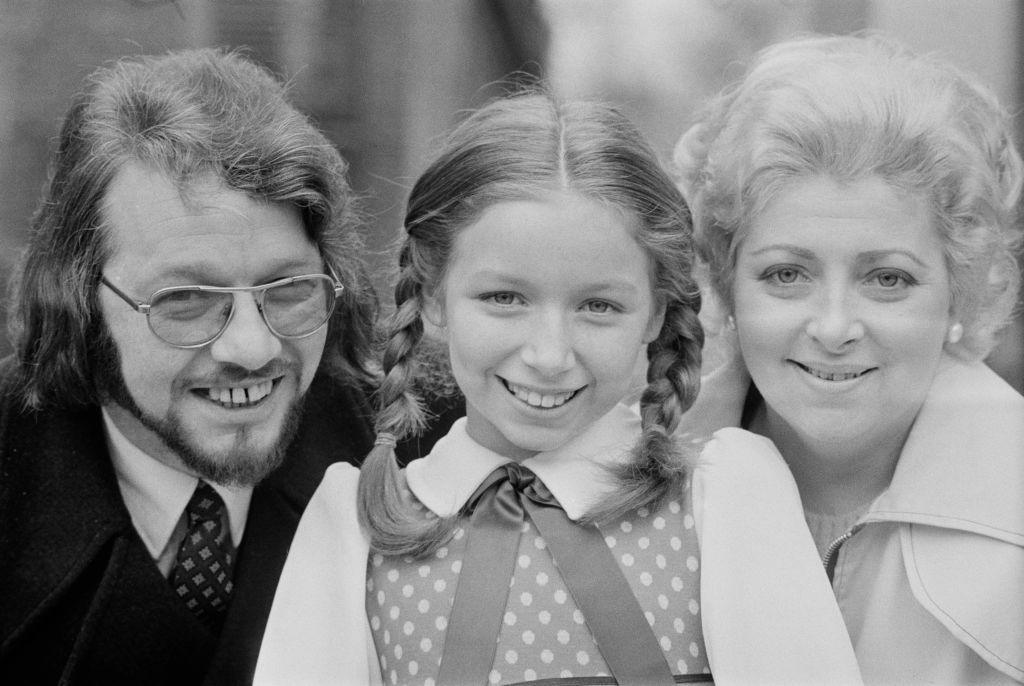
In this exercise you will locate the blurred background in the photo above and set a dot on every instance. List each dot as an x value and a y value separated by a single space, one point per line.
386 78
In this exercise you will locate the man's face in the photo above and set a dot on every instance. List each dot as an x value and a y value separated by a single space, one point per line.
168 401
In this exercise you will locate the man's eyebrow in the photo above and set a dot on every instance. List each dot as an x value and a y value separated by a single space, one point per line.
203 275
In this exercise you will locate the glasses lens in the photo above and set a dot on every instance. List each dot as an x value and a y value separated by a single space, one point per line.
189 316
300 307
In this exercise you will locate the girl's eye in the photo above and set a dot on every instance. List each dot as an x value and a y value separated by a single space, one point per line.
503 299
598 307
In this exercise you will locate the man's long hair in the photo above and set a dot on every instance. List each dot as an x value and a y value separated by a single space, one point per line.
188 115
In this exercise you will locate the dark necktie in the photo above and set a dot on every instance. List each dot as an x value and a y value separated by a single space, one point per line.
499 507
201 576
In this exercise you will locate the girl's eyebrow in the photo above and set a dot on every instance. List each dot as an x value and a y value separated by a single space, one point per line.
517 281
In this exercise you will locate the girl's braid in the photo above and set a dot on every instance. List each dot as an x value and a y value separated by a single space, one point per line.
673 373
395 522
400 411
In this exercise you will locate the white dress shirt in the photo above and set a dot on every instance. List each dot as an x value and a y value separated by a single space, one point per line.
156 495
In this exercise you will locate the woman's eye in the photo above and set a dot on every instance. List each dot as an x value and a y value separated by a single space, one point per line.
783 275
892 278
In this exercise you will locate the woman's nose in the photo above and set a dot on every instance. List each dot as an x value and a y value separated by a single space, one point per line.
835 322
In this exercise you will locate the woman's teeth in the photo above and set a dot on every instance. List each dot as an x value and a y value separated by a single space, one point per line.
535 399
247 395
832 376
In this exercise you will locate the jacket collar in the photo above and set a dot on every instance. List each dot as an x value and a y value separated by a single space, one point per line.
575 473
962 466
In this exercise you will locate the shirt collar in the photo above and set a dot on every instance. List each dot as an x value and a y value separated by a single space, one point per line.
156 494
575 473
962 466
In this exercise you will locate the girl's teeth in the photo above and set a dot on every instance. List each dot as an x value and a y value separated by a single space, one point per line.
535 399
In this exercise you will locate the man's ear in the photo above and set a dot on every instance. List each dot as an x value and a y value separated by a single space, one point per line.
655 323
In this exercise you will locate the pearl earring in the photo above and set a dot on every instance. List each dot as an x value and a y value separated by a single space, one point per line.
956 332
730 322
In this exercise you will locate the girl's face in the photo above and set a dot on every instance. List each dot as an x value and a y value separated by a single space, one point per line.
842 305
547 304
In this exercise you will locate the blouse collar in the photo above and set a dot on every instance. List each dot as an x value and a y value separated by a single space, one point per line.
962 466
575 473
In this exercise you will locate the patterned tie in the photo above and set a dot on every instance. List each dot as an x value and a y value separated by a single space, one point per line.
202 573
500 505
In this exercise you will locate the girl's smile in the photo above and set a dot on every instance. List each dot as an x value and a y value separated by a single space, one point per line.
540 397
547 306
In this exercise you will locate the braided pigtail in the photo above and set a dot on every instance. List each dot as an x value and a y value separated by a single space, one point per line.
659 462
397 523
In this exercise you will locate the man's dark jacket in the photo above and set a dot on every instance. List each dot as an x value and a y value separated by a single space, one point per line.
81 600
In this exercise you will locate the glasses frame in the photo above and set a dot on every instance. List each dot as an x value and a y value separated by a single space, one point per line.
259 292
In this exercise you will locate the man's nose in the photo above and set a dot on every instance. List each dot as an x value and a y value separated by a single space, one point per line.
247 341
549 345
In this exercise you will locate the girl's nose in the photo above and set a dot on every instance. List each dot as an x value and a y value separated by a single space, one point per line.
549 347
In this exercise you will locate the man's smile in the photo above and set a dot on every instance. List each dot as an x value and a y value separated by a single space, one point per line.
239 396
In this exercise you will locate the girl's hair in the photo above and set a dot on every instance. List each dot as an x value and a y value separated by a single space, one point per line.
524 147
851 108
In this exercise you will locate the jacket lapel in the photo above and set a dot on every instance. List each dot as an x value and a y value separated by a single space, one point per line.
59 505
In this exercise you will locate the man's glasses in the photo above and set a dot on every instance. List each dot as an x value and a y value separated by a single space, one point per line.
194 316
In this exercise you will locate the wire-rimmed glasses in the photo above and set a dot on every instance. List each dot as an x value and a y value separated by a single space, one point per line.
194 316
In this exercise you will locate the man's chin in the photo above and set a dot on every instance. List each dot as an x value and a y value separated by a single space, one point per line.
237 466
245 457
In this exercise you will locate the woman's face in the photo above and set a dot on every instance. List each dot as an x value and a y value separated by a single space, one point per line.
842 306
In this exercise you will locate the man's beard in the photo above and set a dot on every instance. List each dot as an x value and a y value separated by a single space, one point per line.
244 465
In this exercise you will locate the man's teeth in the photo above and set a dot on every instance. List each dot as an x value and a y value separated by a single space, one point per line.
241 395
535 399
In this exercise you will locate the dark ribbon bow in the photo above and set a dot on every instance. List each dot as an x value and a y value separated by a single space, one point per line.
498 508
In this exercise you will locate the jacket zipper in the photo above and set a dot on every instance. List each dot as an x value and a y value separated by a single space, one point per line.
832 552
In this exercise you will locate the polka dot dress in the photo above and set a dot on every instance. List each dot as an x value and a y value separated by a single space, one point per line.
543 635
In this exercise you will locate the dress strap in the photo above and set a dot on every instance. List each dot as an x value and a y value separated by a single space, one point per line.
499 508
